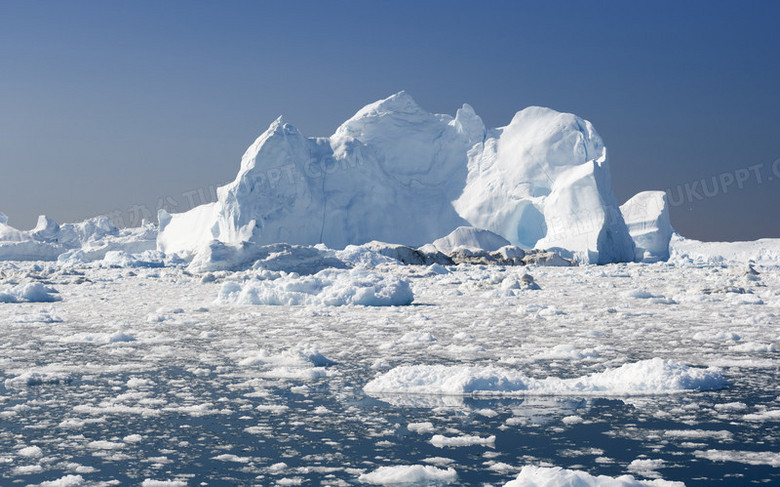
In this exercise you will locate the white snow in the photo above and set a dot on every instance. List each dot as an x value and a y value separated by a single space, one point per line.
655 376
647 218
531 476
409 474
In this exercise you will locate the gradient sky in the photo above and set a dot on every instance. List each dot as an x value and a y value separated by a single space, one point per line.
114 106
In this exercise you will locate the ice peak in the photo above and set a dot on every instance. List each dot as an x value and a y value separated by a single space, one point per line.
401 102
468 123
281 125
3 218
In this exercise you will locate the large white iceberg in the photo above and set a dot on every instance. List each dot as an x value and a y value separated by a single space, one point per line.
397 173
647 218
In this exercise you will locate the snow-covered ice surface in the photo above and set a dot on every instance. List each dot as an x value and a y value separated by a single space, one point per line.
146 375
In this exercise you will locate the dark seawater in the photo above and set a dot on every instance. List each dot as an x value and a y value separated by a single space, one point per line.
322 447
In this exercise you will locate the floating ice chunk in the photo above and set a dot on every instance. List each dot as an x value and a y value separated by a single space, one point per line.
754 347
30 452
572 419
32 292
417 338
65 481
441 441
747 457
409 474
228 457
655 376
721 335
120 258
295 373
329 287
37 378
99 338
303 355
105 445
566 351
421 428
767 415
646 467
163 483
531 476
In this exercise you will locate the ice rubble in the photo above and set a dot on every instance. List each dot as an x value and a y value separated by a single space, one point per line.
647 218
654 376
29 292
329 287
397 173
531 476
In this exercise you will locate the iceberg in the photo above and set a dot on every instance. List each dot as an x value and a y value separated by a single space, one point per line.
397 173
73 242
647 218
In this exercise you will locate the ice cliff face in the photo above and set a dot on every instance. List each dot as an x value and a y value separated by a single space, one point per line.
397 173
647 217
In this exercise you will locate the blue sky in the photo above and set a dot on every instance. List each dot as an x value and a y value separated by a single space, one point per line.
108 106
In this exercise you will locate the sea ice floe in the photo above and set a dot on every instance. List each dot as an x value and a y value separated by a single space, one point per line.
654 376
